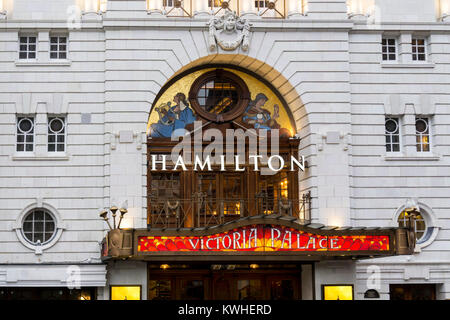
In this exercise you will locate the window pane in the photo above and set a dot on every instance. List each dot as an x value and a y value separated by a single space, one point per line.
125 293
159 290
337 292
28 226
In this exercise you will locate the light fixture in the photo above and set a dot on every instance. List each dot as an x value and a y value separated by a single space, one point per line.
254 266
231 266
444 10
216 267
359 8
248 8
201 7
123 210
104 214
91 6
2 10
155 6
103 5
164 266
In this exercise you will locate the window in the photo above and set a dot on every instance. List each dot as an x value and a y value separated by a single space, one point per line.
420 226
159 289
389 49
260 4
56 134
125 292
219 95
39 226
422 135
418 49
214 3
168 3
27 47
337 292
25 134
392 132
58 47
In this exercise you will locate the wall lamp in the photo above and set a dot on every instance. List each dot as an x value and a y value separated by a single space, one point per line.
113 209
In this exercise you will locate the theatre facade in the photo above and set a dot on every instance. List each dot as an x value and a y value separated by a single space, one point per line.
224 150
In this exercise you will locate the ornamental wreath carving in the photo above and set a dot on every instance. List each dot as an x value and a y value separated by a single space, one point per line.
229 31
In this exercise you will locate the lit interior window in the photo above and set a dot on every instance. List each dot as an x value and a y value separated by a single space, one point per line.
125 293
420 226
337 292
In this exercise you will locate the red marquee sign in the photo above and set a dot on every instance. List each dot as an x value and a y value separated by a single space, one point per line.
264 238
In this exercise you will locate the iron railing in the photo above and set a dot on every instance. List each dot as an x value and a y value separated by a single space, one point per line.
278 9
203 211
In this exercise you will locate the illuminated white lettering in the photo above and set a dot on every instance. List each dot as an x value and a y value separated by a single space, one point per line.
236 238
272 230
163 162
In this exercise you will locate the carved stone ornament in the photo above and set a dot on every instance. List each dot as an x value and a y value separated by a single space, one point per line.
229 32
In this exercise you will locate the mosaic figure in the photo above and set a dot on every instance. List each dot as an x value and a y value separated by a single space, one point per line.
172 117
259 117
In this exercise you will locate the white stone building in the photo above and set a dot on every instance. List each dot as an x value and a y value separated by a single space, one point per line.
366 83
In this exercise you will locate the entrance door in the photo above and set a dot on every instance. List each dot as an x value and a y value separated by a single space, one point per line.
412 291
231 284
256 286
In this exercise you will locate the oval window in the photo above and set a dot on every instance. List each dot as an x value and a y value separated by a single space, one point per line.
219 96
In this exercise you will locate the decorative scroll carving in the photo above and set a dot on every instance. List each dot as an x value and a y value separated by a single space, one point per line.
229 32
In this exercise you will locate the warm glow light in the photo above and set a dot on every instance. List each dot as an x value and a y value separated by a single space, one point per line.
359 7
103 4
201 5
248 6
305 6
155 5
337 293
125 293
164 266
254 266
284 191
91 5
444 7
296 6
